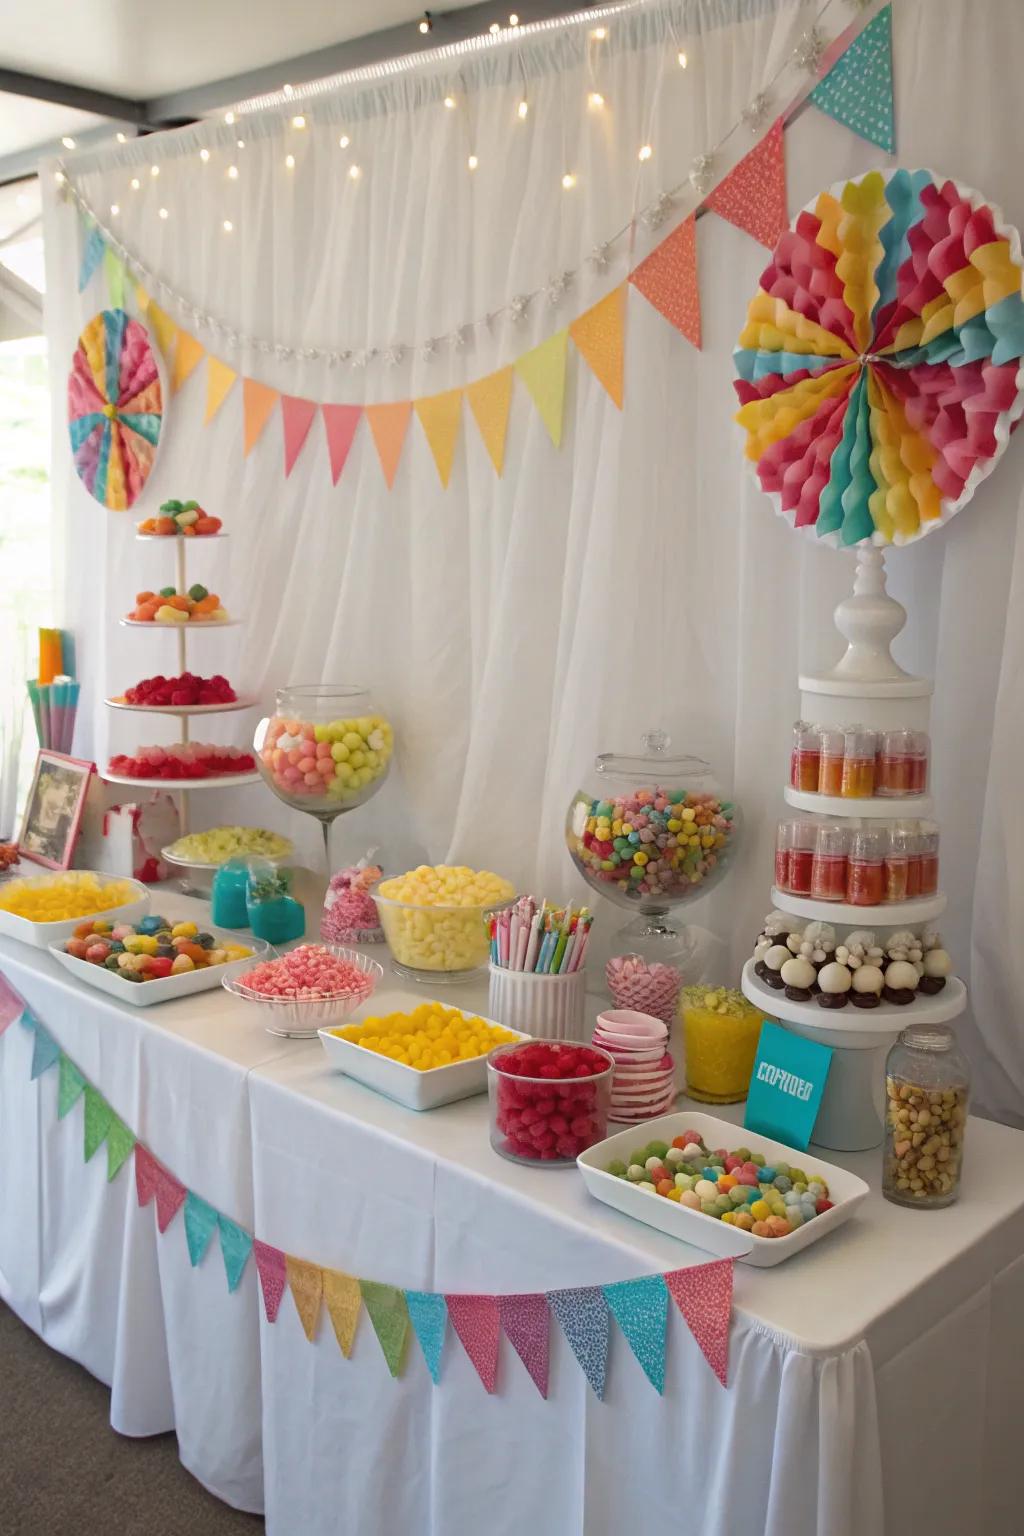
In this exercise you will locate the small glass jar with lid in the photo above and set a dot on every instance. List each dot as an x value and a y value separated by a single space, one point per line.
927 1087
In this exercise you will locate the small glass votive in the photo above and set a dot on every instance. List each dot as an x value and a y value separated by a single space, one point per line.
547 1120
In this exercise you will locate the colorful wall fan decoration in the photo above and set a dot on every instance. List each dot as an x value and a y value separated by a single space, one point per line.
880 370
115 408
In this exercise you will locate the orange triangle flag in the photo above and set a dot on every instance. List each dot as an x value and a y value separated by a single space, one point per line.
667 278
164 328
187 356
219 379
258 400
388 424
306 1282
753 195
598 334
439 418
489 400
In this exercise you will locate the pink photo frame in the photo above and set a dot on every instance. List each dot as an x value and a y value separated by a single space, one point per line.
53 810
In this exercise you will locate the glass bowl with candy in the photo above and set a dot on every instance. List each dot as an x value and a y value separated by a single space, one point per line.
548 1100
311 986
435 920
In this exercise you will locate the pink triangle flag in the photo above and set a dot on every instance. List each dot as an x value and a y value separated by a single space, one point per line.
272 1269
526 1321
11 1005
340 422
296 418
753 195
153 1180
703 1295
476 1321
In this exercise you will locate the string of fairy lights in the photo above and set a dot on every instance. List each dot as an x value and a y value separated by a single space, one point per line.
804 62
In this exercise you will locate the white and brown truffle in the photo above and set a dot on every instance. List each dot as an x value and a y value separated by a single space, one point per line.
799 976
835 981
774 960
935 967
866 991
901 980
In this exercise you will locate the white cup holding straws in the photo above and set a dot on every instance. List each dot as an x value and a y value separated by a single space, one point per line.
549 1007
537 956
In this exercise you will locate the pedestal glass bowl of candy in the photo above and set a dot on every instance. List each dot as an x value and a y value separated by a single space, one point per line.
652 832
325 750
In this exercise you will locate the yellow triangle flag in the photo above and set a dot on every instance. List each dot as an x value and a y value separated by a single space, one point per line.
598 334
543 373
187 355
344 1299
219 379
489 400
141 298
307 1287
439 418
163 327
388 424
258 400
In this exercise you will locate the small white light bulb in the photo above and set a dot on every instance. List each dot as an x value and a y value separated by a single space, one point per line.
645 152
354 172
599 34
513 20
163 213
122 138
683 60
523 108
286 88
232 172
204 155
68 141
135 183
568 180
494 29
114 210
344 141
154 170
59 178
472 162
289 161
298 122
229 117
595 100
228 226
240 143
449 102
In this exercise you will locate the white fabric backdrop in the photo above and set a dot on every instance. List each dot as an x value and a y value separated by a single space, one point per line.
513 628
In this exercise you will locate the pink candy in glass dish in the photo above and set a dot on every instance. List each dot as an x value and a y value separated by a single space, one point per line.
312 985
548 1100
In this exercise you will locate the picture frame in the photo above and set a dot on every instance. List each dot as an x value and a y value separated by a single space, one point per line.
53 809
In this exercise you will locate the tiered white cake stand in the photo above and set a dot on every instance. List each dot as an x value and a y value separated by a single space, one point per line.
866 687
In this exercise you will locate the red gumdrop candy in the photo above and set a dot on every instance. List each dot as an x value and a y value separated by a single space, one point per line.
569 1146
559 1124
823 1206
544 1140
522 1148
689 1137
584 1126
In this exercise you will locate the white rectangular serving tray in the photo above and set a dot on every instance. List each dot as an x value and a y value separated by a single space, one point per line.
143 994
43 935
845 1189
414 1089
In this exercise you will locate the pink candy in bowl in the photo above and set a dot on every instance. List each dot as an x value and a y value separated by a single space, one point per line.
324 749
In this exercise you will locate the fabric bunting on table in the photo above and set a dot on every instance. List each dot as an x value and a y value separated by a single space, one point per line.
272 1268
476 1321
235 1248
527 1324
70 1088
343 1300
428 1314
640 1308
306 1283
120 1145
45 1050
703 1294
11 1005
390 1318
583 1316
96 1123
200 1225
153 1182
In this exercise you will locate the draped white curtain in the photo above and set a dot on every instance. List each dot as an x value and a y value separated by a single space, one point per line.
512 628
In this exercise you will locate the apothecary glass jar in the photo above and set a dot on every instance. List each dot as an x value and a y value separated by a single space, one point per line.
927 1087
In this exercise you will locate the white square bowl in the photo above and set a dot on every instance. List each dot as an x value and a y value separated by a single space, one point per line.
43 935
414 1089
845 1189
143 994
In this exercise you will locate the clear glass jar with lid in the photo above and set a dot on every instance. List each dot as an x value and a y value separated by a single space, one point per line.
927 1088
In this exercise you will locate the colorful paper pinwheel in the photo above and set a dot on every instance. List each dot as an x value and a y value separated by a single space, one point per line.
115 407
880 366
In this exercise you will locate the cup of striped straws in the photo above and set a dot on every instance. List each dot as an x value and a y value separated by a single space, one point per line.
537 977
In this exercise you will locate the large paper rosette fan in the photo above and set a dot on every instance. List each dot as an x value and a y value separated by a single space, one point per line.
880 366
115 407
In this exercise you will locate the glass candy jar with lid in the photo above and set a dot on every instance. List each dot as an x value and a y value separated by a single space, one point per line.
927 1086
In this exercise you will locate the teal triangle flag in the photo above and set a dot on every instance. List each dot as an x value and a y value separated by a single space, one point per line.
45 1051
235 1247
98 1119
120 1143
641 1311
428 1314
92 255
857 91
71 1086
200 1223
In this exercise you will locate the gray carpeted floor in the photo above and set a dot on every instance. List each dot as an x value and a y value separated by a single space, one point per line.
63 1470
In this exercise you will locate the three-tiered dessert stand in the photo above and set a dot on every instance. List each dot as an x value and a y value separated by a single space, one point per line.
866 687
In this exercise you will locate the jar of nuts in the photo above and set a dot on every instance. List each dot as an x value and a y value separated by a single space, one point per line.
927 1083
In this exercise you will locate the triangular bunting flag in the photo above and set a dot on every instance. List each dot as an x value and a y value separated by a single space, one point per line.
296 419
258 400
117 278
667 278
583 1316
98 1119
543 372
753 195
306 1282
527 1324
188 354
45 1051
428 1314
476 1321
703 1295
163 328
388 424
120 1142
235 1247
200 1225
92 255
489 400
340 422
857 91
389 1316
142 299
439 418
641 1311
271 1267
219 379
344 1300
152 1179
600 340
70 1087
11 1005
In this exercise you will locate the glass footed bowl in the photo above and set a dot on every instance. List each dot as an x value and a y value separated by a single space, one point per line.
299 1018
325 749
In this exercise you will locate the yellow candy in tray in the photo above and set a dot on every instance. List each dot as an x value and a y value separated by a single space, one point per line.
57 898
430 1036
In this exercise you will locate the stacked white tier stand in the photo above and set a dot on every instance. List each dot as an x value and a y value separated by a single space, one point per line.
183 711
866 687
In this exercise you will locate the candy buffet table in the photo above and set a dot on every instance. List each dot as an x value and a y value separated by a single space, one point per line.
875 1372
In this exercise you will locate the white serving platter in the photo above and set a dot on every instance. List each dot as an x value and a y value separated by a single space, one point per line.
171 538
887 807
183 709
170 857
190 627
143 994
891 914
845 1189
886 1019
42 935
416 1090
172 786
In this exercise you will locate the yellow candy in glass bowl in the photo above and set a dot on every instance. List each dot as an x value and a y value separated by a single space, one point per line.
434 919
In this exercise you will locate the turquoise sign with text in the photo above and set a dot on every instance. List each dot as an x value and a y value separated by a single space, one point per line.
786 1086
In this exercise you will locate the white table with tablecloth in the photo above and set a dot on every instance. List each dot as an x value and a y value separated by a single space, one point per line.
873 1380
